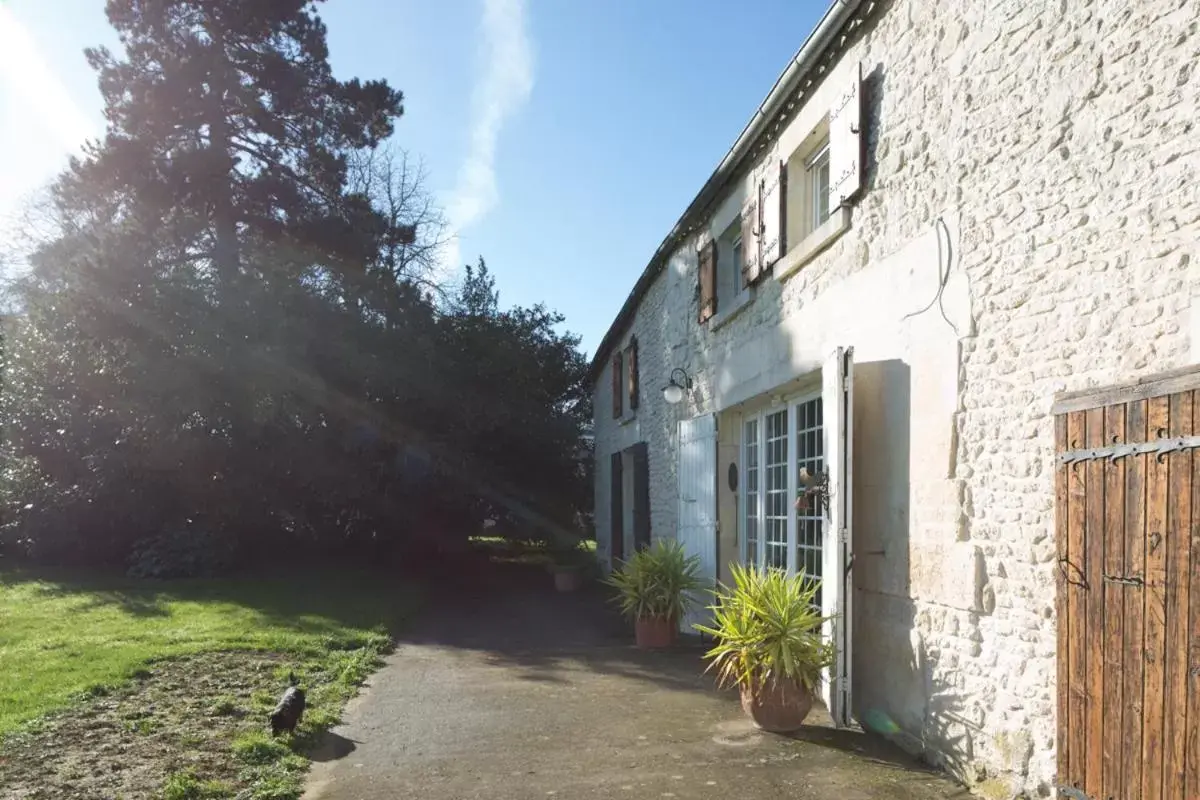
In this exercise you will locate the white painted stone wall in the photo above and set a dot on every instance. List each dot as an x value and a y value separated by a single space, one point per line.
1061 151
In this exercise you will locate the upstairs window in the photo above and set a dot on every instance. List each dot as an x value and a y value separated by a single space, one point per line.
816 175
626 390
807 204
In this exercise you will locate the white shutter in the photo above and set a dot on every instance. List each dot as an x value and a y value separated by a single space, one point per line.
845 143
771 213
698 507
837 378
751 263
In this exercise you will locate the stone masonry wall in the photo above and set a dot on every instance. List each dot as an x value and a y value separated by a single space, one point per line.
1063 143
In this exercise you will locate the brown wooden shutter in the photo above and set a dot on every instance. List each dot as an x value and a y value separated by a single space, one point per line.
618 385
783 192
641 496
616 545
632 359
750 255
708 281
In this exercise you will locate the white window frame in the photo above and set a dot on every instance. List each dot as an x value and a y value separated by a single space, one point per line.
791 405
735 252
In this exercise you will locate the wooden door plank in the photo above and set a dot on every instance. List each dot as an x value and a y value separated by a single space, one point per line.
1094 559
1132 638
1176 544
1114 602
1062 672
1076 577
1154 615
1192 757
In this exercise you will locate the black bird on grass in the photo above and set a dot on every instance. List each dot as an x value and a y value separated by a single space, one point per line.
287 714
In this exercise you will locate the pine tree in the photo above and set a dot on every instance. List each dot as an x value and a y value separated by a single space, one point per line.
227 129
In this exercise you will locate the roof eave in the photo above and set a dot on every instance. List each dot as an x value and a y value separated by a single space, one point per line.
835 18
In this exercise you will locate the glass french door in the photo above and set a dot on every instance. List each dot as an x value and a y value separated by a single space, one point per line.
776 445
813 434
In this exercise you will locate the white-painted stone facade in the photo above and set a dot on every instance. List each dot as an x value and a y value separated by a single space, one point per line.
1049 160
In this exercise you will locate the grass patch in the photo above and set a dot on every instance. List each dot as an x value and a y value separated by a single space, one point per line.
175 680
502 549
68 639
258 749
224 706
187 786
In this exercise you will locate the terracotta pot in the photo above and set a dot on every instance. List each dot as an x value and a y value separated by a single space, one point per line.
655 632
777 706
567 580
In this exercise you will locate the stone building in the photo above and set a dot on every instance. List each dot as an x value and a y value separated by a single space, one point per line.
941 217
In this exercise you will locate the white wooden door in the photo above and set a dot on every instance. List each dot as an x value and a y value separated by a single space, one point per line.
698 507
837 379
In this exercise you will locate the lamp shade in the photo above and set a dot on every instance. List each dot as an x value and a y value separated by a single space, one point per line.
672 393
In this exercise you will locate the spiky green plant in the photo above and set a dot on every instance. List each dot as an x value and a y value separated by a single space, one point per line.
767 629
657 582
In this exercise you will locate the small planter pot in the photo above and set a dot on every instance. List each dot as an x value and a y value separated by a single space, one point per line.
655 632
778 706
567 579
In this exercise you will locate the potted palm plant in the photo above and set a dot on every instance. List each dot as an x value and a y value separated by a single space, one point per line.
655 587
769 644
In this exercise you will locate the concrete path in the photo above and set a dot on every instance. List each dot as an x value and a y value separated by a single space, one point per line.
527 693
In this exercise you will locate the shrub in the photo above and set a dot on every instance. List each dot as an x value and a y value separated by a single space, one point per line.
185 552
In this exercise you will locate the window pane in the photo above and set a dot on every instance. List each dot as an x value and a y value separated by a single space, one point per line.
819 182
823 192
751 472
775 541
810 521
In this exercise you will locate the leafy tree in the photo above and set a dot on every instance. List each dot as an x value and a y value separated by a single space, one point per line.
225 124
236 327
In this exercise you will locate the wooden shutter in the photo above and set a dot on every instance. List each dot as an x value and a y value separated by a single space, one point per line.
632 362
846 143
616 546
750 239
783 194
708 281
618 385
641 496
771 202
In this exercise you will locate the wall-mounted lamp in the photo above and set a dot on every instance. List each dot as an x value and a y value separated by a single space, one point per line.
673 391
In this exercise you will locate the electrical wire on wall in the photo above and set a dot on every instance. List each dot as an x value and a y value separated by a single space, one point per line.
943 275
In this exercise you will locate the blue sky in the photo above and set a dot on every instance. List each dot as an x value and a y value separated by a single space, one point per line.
564 137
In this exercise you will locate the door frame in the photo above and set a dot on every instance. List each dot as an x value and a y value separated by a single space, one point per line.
835 389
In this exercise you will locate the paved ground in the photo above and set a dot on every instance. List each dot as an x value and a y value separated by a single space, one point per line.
526 693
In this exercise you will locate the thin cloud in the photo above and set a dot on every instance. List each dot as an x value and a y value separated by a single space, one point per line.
503 86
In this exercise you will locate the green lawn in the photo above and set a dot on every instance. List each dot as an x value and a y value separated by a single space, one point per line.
62 637
506 549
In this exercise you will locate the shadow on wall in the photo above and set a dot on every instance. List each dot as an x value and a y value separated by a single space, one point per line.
895 692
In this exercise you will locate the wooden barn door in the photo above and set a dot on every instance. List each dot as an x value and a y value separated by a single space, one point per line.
1128 590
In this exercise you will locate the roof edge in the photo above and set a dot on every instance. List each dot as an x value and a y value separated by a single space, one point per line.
835 18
